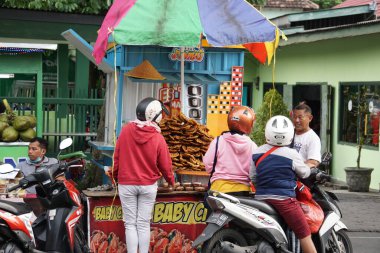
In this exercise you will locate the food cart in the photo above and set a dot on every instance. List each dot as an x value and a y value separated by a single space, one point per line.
213 82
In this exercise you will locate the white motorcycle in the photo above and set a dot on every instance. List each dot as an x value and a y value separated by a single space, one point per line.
241 224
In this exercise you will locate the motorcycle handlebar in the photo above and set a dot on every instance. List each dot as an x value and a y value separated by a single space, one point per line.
63 166
68 164
321 176
15 187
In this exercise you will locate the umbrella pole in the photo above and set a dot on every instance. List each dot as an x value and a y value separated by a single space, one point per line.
183 80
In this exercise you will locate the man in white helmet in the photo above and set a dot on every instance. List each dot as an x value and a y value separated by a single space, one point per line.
274 170
141 156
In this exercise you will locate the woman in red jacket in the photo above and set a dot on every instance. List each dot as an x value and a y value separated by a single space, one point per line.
141 157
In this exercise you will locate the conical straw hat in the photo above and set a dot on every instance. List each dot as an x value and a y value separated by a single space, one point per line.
146 71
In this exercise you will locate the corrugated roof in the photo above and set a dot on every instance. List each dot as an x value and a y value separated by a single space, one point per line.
350 3
349 30
311 20
300 30
176 78
302 4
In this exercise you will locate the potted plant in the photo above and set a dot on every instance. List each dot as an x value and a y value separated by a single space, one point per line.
358 178
272 105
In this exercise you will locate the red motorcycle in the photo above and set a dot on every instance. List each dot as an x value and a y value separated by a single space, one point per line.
60 229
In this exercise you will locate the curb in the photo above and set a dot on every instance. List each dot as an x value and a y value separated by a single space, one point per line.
356 194
364 230
343 190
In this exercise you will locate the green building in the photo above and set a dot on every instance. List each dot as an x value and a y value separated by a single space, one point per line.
328 57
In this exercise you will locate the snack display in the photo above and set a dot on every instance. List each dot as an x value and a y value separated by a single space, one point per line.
197 184
164 189
200 188
185 186
188 141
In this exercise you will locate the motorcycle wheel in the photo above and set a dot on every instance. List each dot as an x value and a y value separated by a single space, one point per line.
80 246
10 247
344 243
226 235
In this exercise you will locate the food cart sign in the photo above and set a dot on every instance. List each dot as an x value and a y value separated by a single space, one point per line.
191 54
169 94
181 218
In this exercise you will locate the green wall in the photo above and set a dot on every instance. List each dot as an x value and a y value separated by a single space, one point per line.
331 61
251 71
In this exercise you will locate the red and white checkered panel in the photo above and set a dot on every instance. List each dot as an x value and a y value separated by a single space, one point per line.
237 77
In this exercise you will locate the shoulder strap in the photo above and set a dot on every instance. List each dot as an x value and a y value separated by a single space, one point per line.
215 160
215 156
266 154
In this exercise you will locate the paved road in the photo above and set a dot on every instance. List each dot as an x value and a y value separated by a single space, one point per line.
361 216
365 242
360 210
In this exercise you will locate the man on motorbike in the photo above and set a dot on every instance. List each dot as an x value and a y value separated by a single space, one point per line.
274 174
36 158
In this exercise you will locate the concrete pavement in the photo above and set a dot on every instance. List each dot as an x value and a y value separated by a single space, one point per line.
360 210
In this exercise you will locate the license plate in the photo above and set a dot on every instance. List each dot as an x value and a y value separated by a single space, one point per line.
217 218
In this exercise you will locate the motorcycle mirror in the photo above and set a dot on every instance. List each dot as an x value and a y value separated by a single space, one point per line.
326 157
6 168
65 143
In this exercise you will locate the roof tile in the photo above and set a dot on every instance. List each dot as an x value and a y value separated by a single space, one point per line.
304 4
350 3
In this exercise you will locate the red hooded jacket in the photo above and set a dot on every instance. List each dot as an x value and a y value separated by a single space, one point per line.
141 156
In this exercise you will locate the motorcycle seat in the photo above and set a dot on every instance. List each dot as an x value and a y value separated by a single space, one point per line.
16 208
261 205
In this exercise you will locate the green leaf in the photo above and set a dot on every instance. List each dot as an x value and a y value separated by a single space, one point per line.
272 105
71 6
327 4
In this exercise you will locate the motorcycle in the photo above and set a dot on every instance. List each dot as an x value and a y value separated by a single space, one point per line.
243 224
60 228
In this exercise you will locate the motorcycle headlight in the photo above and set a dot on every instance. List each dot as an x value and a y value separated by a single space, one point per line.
215 204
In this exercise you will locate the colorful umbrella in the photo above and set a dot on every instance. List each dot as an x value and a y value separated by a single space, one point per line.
180 23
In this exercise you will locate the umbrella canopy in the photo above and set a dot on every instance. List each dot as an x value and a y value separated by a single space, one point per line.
181 23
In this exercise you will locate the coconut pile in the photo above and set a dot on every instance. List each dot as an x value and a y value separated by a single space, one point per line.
14 128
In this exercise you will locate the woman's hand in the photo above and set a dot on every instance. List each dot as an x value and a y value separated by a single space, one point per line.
109 173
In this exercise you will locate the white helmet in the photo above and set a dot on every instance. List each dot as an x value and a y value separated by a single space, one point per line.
150 109
279 131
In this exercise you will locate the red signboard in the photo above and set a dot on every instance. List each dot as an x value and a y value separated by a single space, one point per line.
176 220
170 95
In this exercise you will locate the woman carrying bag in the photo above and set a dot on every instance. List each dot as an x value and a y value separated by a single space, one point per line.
228 158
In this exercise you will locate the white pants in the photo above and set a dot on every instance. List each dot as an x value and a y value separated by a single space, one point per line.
137 202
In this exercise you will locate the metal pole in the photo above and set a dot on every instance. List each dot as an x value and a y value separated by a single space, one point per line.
183 80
